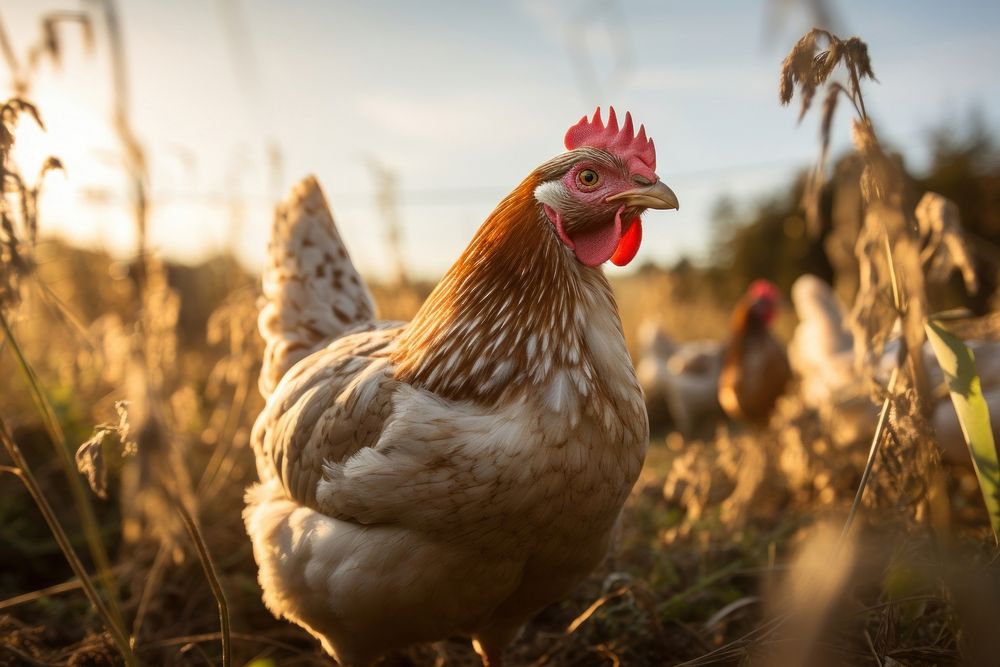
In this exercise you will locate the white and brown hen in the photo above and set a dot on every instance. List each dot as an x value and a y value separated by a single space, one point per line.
455 474
680 381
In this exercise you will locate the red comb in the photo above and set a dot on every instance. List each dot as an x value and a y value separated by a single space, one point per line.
637 151
763 289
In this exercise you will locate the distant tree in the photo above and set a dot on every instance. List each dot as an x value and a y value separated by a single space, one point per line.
769 239
765 240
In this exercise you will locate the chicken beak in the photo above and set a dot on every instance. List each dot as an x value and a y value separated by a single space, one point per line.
657 195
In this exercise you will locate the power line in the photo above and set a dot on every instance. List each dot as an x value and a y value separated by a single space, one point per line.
457 196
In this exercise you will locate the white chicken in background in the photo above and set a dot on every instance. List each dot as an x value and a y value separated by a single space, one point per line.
653 349
693 387
822 349
680 381
822 355
456 474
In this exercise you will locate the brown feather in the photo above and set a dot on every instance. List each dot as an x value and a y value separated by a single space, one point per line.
755 371
506 302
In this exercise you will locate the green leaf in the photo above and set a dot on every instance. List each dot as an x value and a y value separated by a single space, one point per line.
959 366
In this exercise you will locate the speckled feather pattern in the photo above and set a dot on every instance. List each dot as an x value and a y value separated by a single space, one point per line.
455 474
313 292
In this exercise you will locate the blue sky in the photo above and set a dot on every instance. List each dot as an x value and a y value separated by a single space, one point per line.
461 100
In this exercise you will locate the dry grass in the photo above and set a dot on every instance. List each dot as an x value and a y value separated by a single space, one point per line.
730 548
709 532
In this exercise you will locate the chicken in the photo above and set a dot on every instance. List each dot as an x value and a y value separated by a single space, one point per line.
680 381
822 356
822 349
755 370
455 474
653 349
693 387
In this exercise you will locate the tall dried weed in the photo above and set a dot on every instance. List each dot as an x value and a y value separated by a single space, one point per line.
899 251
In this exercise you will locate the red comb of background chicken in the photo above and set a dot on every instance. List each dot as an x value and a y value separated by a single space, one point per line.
637 151
764 289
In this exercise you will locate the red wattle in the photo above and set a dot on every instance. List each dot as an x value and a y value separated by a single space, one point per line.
629 244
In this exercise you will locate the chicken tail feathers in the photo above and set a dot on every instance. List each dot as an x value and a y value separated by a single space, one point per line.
313 294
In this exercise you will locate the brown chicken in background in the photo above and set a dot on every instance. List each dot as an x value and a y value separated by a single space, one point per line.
755 370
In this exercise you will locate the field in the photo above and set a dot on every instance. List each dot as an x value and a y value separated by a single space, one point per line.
738 547
710 539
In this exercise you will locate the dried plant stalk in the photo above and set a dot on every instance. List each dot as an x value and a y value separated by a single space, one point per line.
23 472
893 253
155 478
944 245
85 510
135 157
198 540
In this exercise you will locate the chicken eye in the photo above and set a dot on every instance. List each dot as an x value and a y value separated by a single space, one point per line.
588 177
